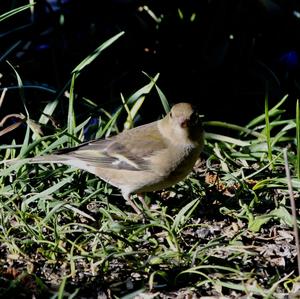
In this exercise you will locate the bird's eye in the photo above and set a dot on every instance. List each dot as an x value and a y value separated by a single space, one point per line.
171 115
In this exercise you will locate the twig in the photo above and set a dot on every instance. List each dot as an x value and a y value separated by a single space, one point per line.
293 206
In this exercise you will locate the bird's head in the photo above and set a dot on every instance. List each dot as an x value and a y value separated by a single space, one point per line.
185 121
184 115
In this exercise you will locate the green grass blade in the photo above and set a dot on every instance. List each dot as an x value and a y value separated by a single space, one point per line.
268 128
71 113
142 91
162 97
110 123
184 214
45 193
226 139
48 110
7 171
233 127
21 90
63 139
11 49
272 112
61 290
25 143
276 183
15 11
131 113
96 53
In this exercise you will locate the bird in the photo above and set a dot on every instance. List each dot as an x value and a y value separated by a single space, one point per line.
147 158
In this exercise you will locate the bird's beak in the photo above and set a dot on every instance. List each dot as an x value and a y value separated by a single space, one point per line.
183 122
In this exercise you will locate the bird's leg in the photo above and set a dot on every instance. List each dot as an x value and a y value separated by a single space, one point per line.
141 197
132 204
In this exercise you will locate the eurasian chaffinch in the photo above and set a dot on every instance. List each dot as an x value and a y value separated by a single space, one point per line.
147 158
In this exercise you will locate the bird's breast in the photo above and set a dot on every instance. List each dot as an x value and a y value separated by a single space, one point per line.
176 164
184 164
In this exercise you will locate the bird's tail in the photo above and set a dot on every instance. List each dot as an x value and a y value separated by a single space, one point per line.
66 160
57 159
48 159
39 159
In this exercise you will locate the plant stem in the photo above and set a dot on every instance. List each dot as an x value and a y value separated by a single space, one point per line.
268 129
293 206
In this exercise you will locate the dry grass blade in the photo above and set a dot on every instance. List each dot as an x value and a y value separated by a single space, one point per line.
293 206
2 96
10 128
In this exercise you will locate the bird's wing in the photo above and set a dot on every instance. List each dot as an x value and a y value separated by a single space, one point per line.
129 150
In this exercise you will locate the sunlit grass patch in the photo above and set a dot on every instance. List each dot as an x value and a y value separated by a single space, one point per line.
222 231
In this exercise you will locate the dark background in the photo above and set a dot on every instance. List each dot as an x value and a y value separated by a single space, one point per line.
218 54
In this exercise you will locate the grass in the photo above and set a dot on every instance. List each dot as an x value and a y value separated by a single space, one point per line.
227 230
65 232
